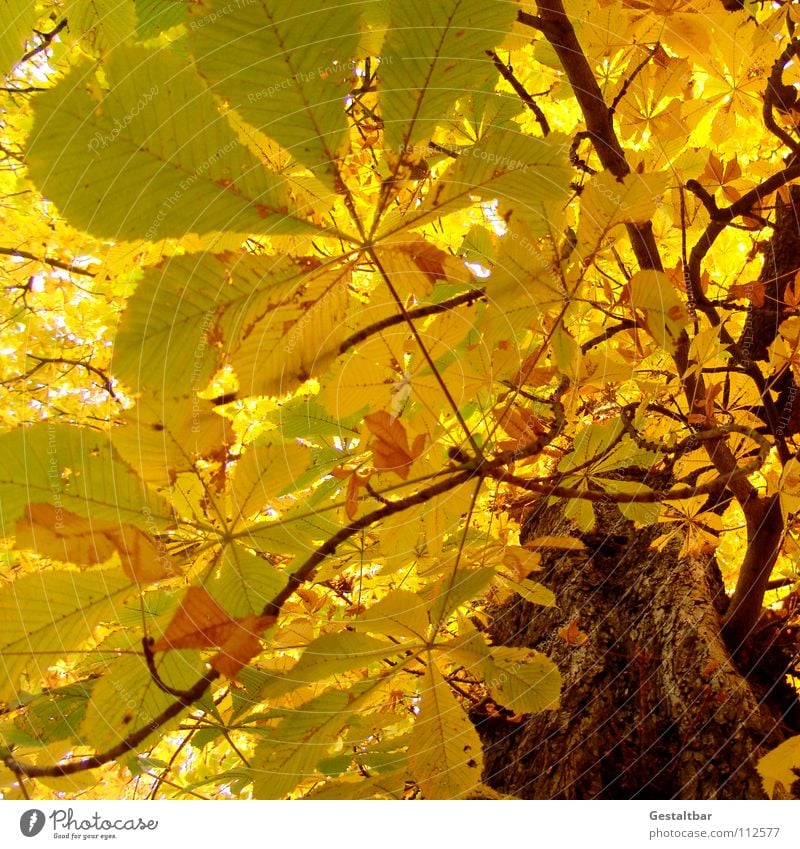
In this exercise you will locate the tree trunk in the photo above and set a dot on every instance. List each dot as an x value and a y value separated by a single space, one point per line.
653 706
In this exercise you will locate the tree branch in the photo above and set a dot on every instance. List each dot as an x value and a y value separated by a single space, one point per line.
420 312
55 263
557 28
47 38
25 770
784 97
765 529
43 361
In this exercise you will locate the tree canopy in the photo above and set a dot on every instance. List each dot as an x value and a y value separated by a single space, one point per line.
307 308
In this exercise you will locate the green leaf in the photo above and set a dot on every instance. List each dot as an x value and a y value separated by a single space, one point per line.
454 589
445 756
623 455
292 749
49 615
592 445
155 16
152 158
74 469
331 654
101 24
19 18
164 339
527 175
305 417
523 680
127 699
432 54
56 715
245 583
286 67
399 614
469 649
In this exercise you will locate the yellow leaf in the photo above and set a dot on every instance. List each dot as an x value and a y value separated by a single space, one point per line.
445 757
607 202
568 543
524 680
754 292
789 487
414 265
399 614
531 591
655 302
62 535
780 765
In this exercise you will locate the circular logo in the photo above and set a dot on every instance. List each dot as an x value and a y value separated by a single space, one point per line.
31 822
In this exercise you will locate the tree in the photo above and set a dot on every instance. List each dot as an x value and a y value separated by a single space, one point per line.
401 400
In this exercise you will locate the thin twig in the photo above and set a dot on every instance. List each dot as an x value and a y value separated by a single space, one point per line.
629 80
773 97
420 312
508 75
55 263
47 38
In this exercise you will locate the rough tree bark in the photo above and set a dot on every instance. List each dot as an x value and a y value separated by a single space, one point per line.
653 706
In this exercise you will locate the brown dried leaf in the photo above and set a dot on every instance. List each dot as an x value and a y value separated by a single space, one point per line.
572 635
242 644
753 292
390 449
201 623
